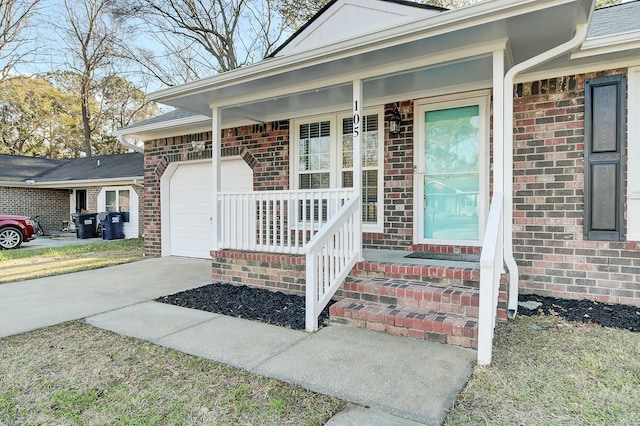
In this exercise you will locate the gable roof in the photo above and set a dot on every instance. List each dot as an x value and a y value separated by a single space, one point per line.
44 171
334 22
617 19
311 82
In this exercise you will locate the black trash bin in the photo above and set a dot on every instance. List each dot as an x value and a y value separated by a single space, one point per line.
86 225
111 225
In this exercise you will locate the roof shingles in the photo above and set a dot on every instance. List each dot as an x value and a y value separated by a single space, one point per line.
20 169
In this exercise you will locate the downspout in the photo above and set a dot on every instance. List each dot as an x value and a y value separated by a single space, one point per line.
123 141
576 41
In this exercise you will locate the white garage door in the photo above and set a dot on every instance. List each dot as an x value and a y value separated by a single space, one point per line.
191 205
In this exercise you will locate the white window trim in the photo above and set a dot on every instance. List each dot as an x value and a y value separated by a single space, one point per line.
335 174
633 155
130 228
482 99
117 191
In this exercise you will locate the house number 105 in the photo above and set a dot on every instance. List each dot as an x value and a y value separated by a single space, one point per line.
356 120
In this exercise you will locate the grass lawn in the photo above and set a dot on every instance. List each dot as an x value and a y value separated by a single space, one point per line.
76 374
547 371
19 265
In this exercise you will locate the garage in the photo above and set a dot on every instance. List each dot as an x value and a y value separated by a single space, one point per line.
190 204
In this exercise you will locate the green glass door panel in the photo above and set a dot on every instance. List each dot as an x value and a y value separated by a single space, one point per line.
451 179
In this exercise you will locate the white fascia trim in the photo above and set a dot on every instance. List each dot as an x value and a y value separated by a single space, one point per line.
163 125
76 183
633 155
608 44
445 22
577 69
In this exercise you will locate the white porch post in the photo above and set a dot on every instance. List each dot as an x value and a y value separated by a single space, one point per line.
216 153
357 156
489 273
498 125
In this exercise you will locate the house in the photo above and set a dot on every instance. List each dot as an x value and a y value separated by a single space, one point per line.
491 141
56 189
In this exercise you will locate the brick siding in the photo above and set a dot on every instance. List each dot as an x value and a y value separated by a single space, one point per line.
52 205
278 272
398 185
264 147
549 245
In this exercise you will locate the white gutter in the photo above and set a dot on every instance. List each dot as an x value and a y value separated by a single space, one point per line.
123 141
575 42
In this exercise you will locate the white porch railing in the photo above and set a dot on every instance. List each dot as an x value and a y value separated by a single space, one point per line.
330 256
277 221
325 225
491 266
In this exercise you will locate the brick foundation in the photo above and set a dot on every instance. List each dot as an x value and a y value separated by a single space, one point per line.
287 273
279 272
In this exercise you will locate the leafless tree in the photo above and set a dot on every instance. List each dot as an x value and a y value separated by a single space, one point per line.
15 22
204 37
91 38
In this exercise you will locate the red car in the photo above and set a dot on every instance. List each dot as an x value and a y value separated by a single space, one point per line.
14 230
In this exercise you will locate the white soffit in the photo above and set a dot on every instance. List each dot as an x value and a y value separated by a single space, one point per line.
416 56
352 18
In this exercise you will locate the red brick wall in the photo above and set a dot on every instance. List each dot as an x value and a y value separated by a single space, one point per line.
278 272
549 246
398 185
52 205
265 148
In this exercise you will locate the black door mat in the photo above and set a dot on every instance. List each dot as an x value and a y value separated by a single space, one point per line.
452 257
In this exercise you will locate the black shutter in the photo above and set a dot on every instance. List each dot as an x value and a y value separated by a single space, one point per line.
604 120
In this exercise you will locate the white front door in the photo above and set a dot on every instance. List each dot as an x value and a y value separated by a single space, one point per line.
451 184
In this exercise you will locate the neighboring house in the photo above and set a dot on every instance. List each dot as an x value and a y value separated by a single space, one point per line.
501 129
55 189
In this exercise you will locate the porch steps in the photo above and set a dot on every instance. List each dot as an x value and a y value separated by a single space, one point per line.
435 312
463 274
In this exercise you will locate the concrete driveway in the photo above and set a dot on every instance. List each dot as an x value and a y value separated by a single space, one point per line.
59 239
32 304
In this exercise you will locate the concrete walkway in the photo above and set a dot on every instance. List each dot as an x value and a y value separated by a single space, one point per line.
391 380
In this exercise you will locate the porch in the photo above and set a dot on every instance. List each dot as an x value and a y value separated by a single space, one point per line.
310 243
389 122
428 299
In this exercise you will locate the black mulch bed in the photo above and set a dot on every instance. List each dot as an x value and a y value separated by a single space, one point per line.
277 308
617 316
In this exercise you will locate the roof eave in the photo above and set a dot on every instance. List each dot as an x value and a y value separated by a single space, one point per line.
445 22
61 184
608 44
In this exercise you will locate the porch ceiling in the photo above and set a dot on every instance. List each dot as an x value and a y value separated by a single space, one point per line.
446 53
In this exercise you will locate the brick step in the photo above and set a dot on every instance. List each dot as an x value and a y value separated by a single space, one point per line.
404 293
411 321
450 275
